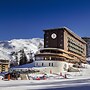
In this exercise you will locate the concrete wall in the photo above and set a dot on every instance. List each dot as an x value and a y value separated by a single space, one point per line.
58 66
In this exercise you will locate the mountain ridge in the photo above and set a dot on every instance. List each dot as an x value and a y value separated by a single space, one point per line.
15 45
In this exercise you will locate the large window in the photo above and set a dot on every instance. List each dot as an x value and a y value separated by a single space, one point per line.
49 64
42 64
52 64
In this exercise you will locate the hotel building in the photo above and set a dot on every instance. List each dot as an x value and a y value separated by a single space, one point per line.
62 48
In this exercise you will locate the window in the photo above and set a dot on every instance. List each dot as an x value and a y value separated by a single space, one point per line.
46 41
42 64
61 36
60 44
46 45
61 40
49 64
52 64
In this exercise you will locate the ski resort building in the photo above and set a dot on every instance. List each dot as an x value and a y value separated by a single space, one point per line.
4 65
62 49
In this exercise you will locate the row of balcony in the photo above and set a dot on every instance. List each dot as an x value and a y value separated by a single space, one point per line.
77 45
75 51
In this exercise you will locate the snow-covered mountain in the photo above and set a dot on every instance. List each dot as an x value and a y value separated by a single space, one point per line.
15 45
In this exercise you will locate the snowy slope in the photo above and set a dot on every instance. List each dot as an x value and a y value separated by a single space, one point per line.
15 45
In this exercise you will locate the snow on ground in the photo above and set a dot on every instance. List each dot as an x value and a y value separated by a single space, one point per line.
74 79
41 84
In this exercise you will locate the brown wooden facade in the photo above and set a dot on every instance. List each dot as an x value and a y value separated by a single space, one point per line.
4 65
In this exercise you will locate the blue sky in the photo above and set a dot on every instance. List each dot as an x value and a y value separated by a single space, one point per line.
27 18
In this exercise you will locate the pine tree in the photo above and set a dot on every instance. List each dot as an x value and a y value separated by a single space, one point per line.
23 58
15 62
16 57
31 57
40 46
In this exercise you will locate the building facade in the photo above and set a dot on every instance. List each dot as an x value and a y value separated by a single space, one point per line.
61 46
4 65
87 40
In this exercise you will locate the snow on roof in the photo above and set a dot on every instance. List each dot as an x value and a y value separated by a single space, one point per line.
30 65
4 56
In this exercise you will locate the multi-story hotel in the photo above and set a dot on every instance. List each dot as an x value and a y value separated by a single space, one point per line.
62 47
4 65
